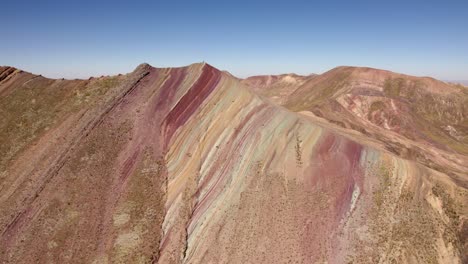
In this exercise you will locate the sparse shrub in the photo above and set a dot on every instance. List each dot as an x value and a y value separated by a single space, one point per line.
393 87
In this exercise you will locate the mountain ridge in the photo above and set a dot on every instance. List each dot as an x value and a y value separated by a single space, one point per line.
166 164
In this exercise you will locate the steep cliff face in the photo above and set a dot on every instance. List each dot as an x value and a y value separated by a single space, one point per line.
187 165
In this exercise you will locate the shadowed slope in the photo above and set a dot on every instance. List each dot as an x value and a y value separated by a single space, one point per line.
186 165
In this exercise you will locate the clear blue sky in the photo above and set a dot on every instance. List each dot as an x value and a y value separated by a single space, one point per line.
84 38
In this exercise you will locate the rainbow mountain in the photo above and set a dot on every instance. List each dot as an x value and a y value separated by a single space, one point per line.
193 165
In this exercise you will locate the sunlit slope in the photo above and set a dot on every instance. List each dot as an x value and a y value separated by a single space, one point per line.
186 165
418 108
416 118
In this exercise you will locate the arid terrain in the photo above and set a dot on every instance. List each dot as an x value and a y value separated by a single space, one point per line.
194 165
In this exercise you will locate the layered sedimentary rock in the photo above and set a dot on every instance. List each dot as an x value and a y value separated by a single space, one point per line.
187 165
417 118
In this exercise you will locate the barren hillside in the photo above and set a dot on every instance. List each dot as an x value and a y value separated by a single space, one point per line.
189 165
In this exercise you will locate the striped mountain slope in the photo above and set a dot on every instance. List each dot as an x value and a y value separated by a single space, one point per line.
188 165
